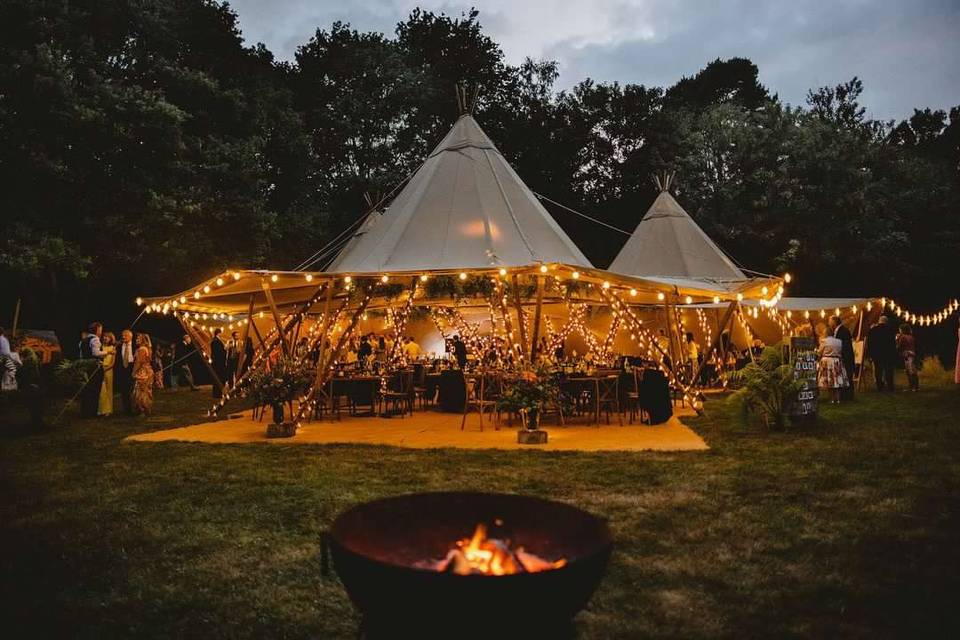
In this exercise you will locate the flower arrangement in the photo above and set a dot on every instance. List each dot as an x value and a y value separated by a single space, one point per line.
284 381
528 394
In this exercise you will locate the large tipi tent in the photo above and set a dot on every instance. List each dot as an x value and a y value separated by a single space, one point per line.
465 208
668 246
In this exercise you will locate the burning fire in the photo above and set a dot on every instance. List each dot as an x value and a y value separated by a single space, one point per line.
481 555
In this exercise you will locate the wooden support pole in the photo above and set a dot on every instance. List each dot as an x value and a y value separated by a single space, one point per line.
519 307
507 325
16 320
276 315
749 332
324 327
399 327
206 359
669 324
323 370
716 340
246 333
537 316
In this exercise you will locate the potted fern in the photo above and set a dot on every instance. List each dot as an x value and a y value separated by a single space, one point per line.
527 396
767 389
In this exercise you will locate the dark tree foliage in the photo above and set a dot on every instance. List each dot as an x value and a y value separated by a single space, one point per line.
144 145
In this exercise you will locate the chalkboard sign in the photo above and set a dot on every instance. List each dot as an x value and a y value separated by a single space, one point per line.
803 355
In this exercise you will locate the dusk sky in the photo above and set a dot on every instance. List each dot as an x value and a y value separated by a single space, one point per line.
906 53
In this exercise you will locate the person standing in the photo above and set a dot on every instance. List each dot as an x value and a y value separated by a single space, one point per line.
843 334
91 350
248 353
218 360
143 377
186 354
9 363
123 369
907 348
105 403
233 357
460 351
831 375
4 343
883 352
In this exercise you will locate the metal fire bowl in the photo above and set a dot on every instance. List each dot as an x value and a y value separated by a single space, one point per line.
375 546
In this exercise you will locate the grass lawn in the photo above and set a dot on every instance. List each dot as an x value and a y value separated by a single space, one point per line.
847 528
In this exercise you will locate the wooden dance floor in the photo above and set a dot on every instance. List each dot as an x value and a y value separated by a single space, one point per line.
435 430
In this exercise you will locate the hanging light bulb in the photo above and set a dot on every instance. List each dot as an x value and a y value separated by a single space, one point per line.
384 278
206 289
463 275
716 299
660 296
274 278
423 278
787 278
575 275
688 300
543 268
219 282
309 277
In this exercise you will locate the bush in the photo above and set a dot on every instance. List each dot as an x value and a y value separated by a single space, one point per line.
933 373
70 375
767 390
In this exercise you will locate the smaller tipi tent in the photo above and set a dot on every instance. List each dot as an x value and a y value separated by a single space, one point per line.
668 246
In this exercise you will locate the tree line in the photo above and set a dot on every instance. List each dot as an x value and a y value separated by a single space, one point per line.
144 146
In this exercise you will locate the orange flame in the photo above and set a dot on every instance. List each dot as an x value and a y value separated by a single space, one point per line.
480 554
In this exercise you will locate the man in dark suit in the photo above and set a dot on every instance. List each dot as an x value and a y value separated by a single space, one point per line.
218 358
841 333
123 369
460 352
882 349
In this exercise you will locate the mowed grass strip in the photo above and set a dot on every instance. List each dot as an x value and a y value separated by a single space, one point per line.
847 527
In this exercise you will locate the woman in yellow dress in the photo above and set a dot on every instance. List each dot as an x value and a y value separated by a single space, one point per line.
105 406
142 395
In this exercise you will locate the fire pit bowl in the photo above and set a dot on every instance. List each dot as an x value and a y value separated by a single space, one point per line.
379 549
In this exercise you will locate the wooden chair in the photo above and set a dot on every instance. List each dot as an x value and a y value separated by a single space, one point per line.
483 394
608 389
420 385
401 396
632 397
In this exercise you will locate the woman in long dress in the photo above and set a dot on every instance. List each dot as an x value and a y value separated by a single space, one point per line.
143 378
830 372
105 405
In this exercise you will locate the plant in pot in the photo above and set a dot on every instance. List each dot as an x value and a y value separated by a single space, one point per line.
767 389
527 396
277 387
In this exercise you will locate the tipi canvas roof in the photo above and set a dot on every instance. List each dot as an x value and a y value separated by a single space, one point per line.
668 245
464 208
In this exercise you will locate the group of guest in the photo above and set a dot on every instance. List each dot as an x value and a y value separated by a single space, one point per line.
125 367
885 347
229 358
371 348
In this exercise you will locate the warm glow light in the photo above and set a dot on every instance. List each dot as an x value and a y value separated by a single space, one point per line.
633 292
463 275
543 268
660 296
688 300
739 297
503 271
384 278
196 295
139 301
309 277
219 282
274 278
347 279
787 278
206 289
236 275
606 285
575 275
764 290
183 299
423 278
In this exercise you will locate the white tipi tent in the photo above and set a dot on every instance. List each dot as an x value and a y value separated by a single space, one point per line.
669 247
465 208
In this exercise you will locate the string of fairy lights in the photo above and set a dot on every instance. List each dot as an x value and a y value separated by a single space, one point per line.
208 319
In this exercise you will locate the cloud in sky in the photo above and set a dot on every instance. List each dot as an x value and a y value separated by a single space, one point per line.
906 53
